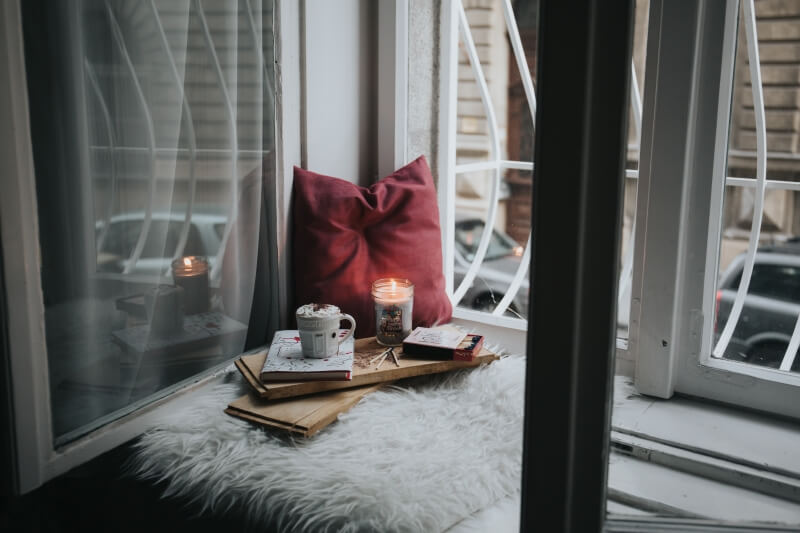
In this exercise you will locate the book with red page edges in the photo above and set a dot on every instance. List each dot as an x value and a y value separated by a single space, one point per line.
285 361
443 344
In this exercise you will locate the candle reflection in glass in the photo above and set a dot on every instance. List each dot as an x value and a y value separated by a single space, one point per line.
394 301
191 273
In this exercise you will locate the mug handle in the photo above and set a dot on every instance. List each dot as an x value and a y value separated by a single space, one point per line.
345 316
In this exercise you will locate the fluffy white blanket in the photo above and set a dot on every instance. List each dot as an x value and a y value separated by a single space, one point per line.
417 457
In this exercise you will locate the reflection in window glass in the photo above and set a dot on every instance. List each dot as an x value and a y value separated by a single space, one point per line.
165 118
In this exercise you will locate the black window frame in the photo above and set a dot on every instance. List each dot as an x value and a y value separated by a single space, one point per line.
583 60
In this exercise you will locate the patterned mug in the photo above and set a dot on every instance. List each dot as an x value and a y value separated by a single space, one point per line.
318 325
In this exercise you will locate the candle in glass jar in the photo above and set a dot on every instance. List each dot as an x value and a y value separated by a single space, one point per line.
394 302
191 273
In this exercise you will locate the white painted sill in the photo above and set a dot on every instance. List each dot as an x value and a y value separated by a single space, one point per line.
689 458
717 432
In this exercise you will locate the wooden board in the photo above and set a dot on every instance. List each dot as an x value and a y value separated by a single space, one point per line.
363 373
304 416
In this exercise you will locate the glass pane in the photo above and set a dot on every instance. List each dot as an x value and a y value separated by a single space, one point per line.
761 332
150 158
513 133
504 143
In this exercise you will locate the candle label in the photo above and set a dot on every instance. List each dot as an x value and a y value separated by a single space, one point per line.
391 321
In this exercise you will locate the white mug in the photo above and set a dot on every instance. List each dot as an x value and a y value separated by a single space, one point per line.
318 325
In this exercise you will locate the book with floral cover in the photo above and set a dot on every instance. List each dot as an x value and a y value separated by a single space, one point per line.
285 361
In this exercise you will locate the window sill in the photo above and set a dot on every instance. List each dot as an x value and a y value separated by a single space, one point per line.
719 431
687 457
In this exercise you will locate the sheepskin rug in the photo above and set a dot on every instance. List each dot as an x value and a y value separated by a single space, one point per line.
417 457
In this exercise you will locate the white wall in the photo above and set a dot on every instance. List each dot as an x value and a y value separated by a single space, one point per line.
341 89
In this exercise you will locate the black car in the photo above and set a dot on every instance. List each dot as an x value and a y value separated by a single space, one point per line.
771 306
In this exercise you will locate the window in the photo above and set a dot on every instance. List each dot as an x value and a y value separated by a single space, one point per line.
727 340
486 182
758 200
680 122
174 133
159 147
489 146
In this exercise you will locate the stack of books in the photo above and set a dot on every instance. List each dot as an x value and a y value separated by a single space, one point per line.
303 395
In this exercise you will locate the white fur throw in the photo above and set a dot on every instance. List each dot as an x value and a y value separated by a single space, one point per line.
416 457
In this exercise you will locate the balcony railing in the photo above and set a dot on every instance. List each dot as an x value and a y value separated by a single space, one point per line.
497 165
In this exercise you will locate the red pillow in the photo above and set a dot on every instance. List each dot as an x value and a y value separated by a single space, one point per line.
346 236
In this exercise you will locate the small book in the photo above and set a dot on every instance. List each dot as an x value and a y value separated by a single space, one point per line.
443 344
285 361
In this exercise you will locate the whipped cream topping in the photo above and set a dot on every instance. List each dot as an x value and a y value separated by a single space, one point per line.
317 311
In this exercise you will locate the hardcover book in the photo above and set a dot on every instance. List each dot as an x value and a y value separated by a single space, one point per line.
367 370
443 344
285 361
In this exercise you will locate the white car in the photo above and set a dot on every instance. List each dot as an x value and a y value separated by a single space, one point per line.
114 252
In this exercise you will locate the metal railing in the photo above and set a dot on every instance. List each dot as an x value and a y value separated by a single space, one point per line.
761 184
498 165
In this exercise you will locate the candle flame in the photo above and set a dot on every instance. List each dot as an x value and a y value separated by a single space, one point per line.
187 261
394 285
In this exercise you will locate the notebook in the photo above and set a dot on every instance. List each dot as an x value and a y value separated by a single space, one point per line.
285 361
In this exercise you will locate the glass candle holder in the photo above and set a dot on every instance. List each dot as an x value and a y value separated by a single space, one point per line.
394 302
191 273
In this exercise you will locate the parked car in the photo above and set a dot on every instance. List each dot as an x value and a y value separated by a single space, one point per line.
113 254
771 306
502 259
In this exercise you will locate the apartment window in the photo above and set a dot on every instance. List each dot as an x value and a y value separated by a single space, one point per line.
489 90
711 330
488 103
148 196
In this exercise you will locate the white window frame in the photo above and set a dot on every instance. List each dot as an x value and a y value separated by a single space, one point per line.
679 214
37 460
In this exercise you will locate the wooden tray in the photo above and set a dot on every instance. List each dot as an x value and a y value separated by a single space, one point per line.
304 416
363 373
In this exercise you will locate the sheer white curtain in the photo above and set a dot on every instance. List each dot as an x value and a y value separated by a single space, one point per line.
162 124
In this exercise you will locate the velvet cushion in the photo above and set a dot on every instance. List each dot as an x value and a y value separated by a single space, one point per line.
346 236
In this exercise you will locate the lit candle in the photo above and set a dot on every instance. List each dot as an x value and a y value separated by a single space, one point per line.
191 273
394 302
